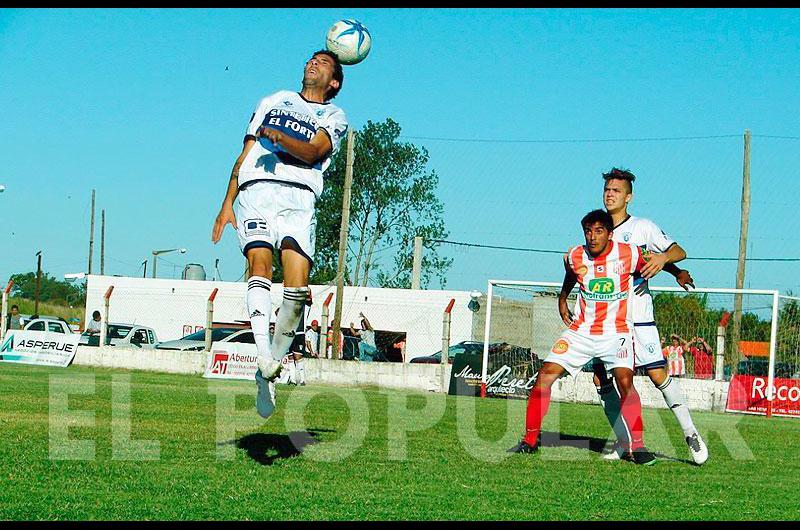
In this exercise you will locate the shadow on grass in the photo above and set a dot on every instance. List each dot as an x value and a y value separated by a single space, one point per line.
596 445
266 448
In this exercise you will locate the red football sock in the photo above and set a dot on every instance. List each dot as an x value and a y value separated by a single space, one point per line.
538 403
632 412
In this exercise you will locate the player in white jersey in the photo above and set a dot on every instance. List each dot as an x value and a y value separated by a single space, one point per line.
617 193
289 143
599 329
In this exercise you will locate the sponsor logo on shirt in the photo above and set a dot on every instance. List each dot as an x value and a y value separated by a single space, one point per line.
601 290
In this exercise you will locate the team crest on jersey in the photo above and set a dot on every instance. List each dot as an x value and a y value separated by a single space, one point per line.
561 346
619 268
626 237
320 112
622 353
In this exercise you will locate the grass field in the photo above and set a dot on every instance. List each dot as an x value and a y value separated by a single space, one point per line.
258 473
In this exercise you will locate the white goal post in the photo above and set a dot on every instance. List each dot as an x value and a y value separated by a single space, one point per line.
768 302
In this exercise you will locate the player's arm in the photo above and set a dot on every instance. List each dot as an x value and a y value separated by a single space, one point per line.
226 214
656 263
309 152
566 287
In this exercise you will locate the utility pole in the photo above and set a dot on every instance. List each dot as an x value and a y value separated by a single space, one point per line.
343 235
740 270
417 263
102 240
91 236
144 273
38 282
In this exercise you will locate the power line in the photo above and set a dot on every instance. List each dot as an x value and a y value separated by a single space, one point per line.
572 140
542 251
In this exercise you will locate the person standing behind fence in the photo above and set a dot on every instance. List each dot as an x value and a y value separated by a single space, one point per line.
703 357
674 356
14 319
277 178
312 339
366 348
93 328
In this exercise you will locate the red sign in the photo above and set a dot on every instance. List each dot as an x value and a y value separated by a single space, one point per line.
748 393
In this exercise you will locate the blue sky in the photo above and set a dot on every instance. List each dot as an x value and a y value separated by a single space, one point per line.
138 105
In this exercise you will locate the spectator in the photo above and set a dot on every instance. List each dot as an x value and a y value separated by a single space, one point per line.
703 357
329 341
674 356
14 319
366 348
312 339
94 324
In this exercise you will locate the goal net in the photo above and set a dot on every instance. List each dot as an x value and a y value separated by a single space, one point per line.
714 343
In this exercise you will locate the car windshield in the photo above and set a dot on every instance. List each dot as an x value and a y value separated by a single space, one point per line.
216 334
118 332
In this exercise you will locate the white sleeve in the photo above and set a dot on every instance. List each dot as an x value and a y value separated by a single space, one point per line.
657 239
335 124
257 119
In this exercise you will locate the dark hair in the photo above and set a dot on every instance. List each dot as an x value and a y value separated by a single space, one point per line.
598 216
622 174
15 305
338 74
96 314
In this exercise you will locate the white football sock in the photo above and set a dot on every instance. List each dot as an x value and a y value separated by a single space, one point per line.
612 407
301 371
676 401
294 298
259 305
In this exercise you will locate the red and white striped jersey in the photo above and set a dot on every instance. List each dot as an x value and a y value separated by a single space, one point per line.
604 286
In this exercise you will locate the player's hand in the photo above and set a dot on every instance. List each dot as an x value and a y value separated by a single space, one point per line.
684 279
225 216
274 135
654 265
563 309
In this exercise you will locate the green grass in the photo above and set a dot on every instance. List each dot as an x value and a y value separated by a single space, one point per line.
443 475
26 307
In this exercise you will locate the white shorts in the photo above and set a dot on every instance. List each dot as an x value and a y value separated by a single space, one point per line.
269 212
573 351
647 346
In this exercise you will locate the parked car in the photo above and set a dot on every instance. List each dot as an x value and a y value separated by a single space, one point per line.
122 335
52 324
197 341
467 346
472 346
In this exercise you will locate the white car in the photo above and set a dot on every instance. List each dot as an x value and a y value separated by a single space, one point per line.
126 335
52 324
197 341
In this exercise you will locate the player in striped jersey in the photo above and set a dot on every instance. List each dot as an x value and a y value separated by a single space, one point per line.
617 193
600 329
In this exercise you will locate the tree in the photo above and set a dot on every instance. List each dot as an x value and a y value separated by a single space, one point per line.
393 199
50 289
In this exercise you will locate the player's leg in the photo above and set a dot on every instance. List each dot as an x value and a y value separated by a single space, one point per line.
676 401
538 405
300 368
569 354
631 410
259 306
649 356
296 268
610 399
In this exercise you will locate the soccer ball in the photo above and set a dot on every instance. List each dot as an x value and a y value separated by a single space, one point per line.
349 40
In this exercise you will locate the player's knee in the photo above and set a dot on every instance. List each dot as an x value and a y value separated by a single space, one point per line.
259 262
658 375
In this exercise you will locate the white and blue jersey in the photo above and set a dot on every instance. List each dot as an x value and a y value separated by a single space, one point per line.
646 235
294 116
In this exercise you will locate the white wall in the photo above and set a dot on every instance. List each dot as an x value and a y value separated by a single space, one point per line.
167 305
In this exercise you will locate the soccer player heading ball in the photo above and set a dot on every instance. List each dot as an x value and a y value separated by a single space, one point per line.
599 329
288 145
